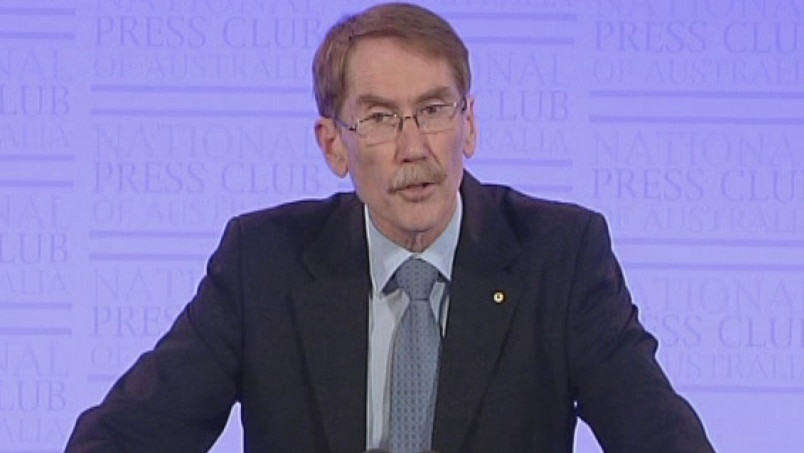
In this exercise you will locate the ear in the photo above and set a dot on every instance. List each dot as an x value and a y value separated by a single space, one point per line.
333 148
470 139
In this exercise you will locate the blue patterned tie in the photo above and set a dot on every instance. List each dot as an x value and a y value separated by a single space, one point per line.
414 373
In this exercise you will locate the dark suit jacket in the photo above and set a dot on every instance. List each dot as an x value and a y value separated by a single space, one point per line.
280 324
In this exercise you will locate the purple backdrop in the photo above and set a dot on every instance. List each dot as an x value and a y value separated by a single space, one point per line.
130 131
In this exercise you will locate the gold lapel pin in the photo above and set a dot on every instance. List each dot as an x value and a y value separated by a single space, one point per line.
499 297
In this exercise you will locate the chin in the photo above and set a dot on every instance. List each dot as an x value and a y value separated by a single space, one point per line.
420 220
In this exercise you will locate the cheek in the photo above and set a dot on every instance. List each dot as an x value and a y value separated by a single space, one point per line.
369 172
453 157
367 166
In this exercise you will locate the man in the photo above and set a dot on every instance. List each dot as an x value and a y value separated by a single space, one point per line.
303 311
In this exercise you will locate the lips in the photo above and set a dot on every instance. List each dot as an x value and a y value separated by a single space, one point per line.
407 181
415 184
416 192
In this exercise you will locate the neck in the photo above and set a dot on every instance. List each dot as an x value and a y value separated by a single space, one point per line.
417 242
414 241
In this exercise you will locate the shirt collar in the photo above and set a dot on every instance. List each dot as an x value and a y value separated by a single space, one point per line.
385 256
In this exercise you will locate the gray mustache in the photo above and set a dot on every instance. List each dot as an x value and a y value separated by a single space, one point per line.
417 174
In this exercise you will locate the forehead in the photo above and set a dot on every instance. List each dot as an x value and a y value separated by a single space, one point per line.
386 68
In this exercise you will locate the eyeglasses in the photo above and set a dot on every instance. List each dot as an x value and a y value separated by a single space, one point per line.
382 127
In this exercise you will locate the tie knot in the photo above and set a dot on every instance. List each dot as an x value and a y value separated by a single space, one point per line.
416 277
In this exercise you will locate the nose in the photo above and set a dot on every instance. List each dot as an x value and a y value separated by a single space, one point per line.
411 143
408 117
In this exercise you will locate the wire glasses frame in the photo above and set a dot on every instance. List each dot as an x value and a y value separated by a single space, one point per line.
382 127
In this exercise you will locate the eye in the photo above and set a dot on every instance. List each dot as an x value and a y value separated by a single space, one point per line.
378 118
433 109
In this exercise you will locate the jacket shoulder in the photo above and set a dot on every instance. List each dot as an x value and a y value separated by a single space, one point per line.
532 215
296 222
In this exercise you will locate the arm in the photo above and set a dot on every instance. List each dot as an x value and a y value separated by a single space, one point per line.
177 397
621 391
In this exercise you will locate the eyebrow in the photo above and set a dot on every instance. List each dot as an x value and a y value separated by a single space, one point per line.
370 99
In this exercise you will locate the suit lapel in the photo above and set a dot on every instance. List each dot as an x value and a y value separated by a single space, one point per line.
331 311
332 316
483 296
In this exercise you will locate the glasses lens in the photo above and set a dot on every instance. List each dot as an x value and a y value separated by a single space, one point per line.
378 132
430 120
438 119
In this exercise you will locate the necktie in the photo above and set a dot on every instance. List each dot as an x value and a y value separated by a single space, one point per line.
414 372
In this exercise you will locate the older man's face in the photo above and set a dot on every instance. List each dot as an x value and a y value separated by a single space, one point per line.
409 183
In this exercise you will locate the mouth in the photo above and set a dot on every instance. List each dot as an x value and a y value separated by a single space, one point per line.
416 192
